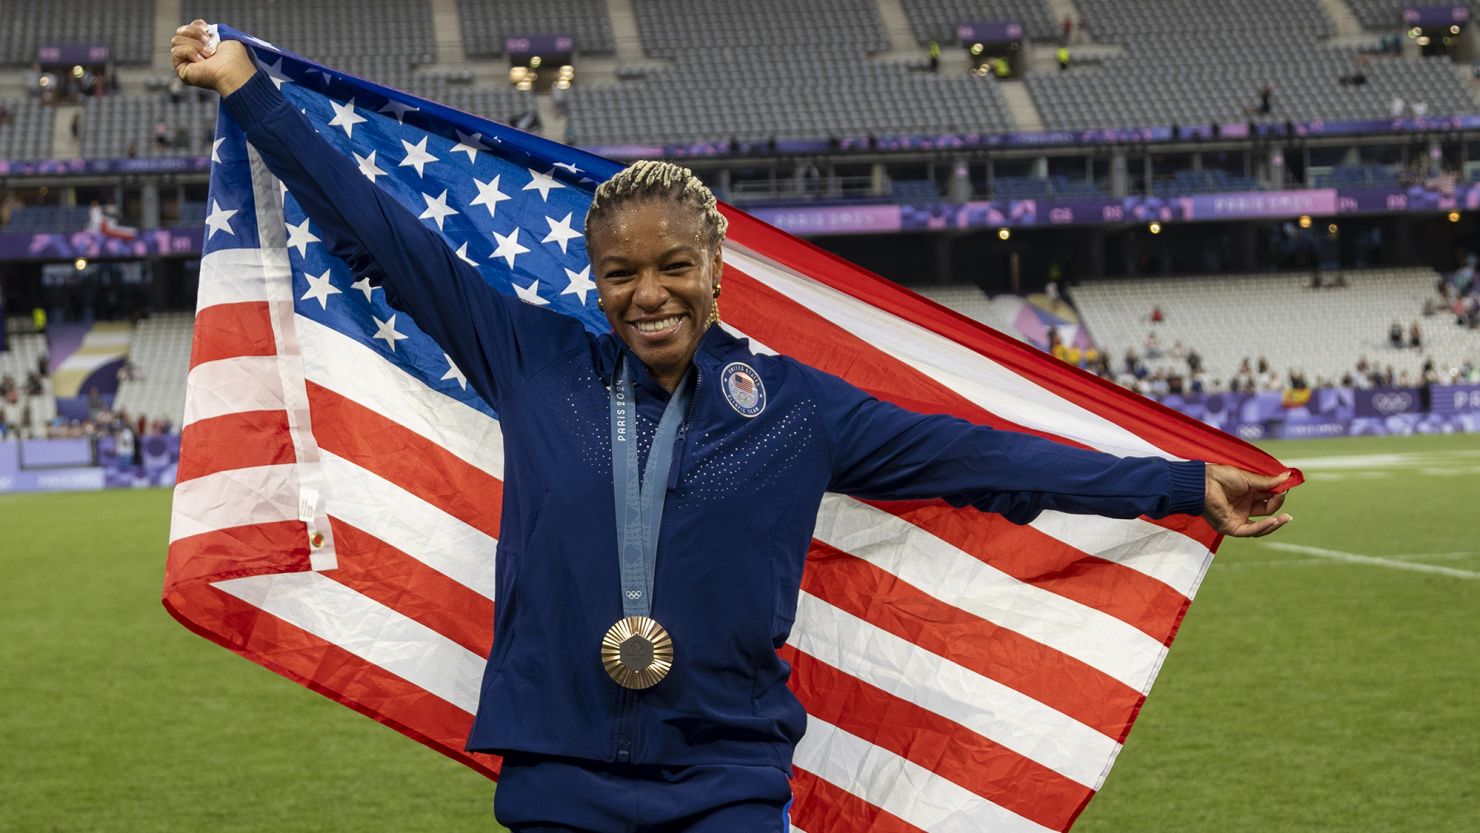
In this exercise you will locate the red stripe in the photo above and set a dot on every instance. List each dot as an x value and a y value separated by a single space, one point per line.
225 331
1164 427
402 456
1057 680
819 806
1044 561
254 549
942 746
328 669
234 441
376 569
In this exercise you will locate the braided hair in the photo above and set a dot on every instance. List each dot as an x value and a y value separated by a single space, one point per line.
645 180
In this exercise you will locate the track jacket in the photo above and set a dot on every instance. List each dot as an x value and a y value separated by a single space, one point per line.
749 473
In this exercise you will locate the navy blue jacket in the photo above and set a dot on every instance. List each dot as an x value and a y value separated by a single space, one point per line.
743 500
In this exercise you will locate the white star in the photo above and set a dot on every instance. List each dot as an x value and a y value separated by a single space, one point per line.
580 283
530 294
454 373
569 167
345 117
560 231
469 145
300 237
437 209
489 195
508 247
319 288
219 220
397 110
542 182
364 285
416 155
387 331
462 252
216 150
367 165
275 74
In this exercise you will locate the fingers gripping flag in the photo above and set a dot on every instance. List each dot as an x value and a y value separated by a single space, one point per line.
337 509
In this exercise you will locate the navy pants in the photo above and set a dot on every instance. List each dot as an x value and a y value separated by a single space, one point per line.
539 794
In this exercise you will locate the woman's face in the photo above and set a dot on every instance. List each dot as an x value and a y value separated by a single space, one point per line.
655 275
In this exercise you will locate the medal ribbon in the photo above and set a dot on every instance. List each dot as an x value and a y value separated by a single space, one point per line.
640 510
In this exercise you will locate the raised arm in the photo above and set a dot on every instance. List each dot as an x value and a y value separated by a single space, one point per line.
493 338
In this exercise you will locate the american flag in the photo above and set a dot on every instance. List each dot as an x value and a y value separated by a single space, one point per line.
337 506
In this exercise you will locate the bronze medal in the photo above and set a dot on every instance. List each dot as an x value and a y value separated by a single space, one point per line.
637 652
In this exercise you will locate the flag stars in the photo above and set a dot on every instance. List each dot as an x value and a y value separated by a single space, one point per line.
580 283
542 182
437 208
462 253
367 165
319 289
216 150
386 330
530 294
299 237
365 286
219 220
560 231
453 373
469 145
417 156
489 196
509 247
345 117
398 110
275 74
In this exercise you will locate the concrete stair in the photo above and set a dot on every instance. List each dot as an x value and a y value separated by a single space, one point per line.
1020 106
1342 17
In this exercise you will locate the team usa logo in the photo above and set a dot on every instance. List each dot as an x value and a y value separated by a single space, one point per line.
743 388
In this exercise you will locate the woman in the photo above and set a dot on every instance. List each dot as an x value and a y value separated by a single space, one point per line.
661 487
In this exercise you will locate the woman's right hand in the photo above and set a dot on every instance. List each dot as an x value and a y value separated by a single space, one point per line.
223 70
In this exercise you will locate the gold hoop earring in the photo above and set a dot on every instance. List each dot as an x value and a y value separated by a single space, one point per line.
600 304
717 288
713 313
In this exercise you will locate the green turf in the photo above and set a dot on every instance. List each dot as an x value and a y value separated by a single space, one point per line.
1304 694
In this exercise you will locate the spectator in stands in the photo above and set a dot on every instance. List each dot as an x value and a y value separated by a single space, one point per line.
1395 335
1397 106
1063 56
1153 346
5 115
934 56
31 80
1068 28
1415 336
161 135
1266 106
1358 76
33 384
1157 316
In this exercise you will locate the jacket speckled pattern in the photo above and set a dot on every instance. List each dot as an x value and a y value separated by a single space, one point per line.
744 491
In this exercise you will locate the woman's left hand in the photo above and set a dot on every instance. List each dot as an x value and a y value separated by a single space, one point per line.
1234 496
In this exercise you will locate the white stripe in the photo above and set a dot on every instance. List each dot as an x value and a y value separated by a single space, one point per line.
368 629
902 787
1163 554
983 705
236 497
957 578
975 377
350 369
231 276
411 525
1353 558
233 386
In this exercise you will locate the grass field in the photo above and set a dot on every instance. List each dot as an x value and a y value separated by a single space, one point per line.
1328 679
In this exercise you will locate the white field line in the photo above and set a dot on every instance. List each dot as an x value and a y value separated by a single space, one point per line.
1298 562
1372 560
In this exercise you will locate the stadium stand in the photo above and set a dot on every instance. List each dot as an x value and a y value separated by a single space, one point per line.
30 24
123 125
35 218
159 354
348 34
936 20
1226 318
485 24
1195 63
16 365
670 27
28 134
1379 14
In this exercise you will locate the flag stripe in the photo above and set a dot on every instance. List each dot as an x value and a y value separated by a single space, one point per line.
375 569
1000 654
959 579
1174 559
235 441
909 791
820 805
987 707
228 330
238 551
990 770
367 629
261 494
231 276
231 386
395 453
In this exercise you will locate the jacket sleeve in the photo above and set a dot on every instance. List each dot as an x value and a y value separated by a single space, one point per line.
495 339
881 451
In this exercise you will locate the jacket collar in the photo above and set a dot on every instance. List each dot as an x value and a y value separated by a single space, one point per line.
715 344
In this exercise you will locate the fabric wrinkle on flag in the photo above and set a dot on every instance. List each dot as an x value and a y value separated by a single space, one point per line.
336 516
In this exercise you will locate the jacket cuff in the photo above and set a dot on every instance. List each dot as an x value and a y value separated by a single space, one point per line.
1189 487
253 101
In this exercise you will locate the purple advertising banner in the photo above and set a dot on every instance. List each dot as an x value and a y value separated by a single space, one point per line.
1385 402
53 54
1453 399
152 461
68 452
66 167
545 46
989 32
1426 17
71 245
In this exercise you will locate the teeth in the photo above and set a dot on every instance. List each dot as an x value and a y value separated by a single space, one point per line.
657 326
